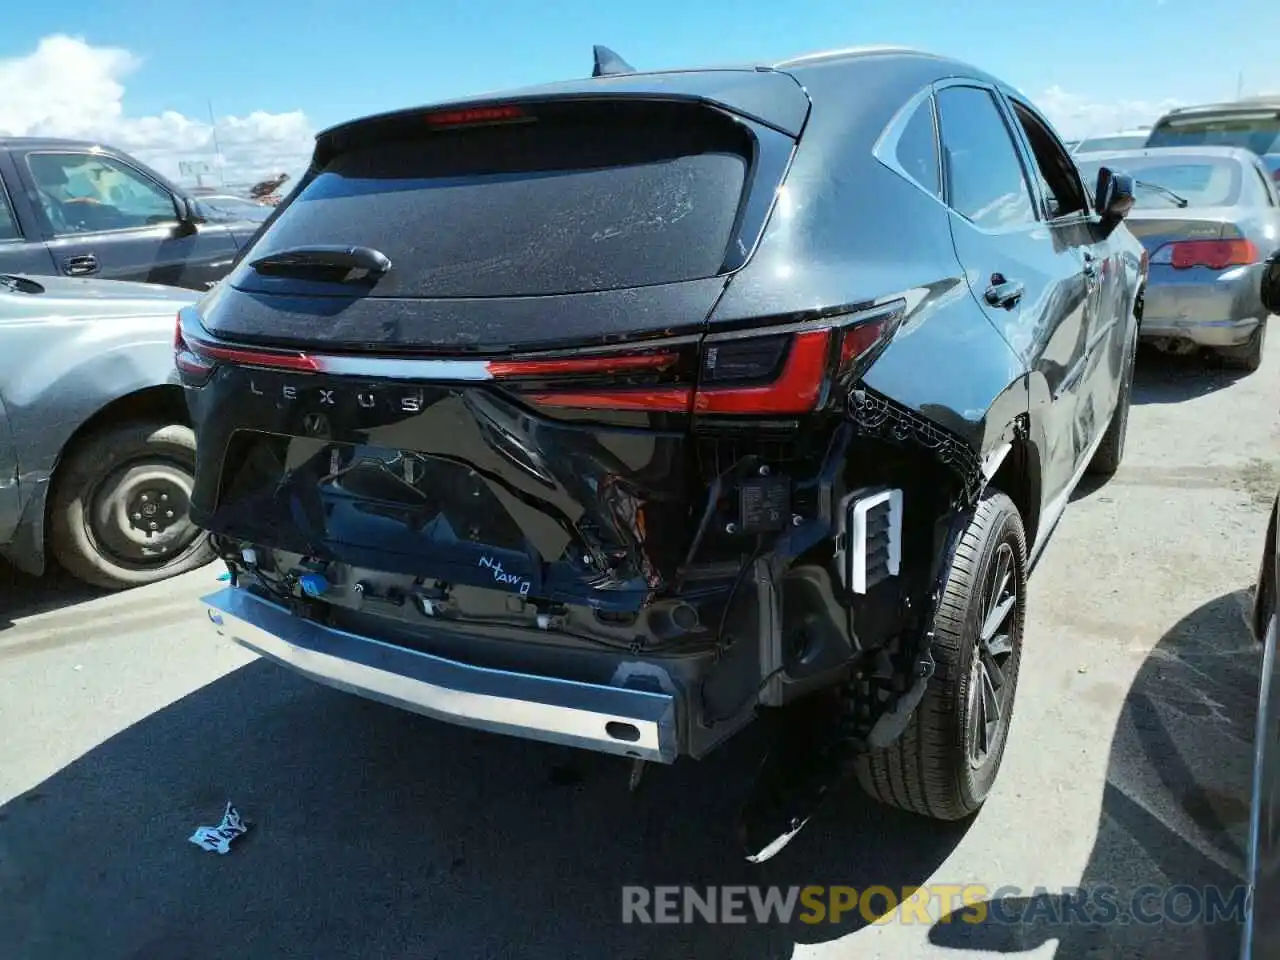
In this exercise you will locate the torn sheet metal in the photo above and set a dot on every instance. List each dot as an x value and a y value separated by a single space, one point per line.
218 839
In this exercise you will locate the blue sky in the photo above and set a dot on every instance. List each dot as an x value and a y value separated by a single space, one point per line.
332 60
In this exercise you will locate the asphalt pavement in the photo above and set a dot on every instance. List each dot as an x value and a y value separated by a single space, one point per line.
125 724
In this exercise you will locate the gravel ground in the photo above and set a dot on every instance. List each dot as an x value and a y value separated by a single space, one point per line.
379 834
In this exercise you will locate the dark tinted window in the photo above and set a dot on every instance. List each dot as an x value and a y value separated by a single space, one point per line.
1259 132
1059 179
600 199
985 182
918 149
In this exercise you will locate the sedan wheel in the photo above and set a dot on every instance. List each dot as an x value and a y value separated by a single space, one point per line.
120 507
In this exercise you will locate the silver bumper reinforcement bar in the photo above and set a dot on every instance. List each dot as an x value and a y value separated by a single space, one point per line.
608 719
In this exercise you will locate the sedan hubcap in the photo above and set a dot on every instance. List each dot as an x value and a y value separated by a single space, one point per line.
988 683
139 514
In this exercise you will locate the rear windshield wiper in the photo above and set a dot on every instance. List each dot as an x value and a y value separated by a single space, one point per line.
339 264
1177 198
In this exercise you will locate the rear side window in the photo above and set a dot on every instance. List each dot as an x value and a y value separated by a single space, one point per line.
1259 132
603 197
917 151
985 182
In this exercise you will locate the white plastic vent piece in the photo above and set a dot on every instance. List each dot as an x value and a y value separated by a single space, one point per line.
857 536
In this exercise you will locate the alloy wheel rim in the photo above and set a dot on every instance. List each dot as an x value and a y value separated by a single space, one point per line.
988 672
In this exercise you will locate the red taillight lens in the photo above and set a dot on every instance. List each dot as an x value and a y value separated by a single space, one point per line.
470 116
568 366
1214 254
196 358
184 357
795 390
779 371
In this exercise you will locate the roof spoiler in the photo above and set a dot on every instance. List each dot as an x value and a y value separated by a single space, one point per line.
608 63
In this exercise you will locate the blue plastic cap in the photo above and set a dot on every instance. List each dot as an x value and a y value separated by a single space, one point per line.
313 584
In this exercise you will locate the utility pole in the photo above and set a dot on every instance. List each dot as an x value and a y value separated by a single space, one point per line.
217 151
1240 86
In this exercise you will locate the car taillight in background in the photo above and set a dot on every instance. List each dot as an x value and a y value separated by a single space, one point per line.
1215 254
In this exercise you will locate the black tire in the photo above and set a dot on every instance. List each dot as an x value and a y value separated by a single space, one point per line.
108 491
1247 356
930 769
1110 453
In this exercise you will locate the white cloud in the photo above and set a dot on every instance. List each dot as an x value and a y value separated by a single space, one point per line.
1077 116
69 88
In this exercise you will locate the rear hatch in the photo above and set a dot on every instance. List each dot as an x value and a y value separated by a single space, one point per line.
466 351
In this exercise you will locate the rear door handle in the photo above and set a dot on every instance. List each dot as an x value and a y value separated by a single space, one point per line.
1004 293
79 266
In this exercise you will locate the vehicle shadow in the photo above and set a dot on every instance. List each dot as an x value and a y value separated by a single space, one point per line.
25 596
1174 812
378 833
1167 378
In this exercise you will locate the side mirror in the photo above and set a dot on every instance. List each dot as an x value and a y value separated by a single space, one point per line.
188 212
1114 196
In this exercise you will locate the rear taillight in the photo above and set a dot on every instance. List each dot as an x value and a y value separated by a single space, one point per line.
185 358
772 371
777 370
196 358
1215 254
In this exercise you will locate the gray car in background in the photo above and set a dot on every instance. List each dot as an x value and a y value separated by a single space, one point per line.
1125 140
96 458
1209 218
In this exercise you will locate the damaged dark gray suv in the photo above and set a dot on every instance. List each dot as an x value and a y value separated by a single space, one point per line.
611 412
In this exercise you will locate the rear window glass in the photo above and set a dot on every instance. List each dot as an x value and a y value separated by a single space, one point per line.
1201 182
1257 132
1118 142
603 199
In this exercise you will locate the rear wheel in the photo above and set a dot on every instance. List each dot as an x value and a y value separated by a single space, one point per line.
1247 356
120 503
945 762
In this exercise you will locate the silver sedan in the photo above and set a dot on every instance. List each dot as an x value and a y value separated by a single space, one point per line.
1209 218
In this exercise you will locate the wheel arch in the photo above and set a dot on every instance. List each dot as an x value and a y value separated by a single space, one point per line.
1019 477
163 400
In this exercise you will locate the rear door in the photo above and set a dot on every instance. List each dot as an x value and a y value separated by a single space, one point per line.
1024 272
22 246
1074 228
106 218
